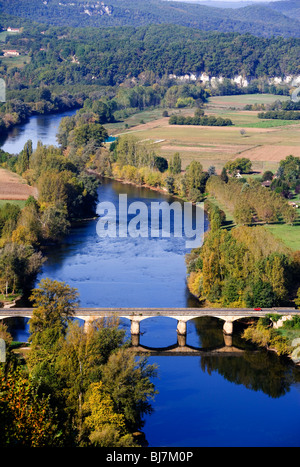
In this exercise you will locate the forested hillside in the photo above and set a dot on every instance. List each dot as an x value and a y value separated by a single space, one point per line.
289 8
260 20
109 56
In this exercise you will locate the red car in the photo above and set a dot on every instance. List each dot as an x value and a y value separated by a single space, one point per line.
257 309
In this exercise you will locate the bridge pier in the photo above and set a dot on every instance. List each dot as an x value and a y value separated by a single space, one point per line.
228 327
135 340
227 340
135 327
88 321
181 327
181 340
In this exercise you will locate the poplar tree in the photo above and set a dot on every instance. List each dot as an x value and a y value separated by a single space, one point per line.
175 164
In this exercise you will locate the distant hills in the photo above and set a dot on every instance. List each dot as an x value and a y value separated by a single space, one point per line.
278 18
289 8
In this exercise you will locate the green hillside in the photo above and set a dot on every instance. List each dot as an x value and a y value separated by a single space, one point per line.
259 20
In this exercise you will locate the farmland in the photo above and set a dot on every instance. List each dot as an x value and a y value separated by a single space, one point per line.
264 142
13 187
12 62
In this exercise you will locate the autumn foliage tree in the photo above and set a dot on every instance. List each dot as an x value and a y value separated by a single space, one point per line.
250 201
26 419
242 268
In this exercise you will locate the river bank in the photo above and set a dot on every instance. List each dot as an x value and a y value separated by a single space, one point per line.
9 122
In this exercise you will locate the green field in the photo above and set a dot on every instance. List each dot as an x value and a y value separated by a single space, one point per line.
3 36
18 202
289 234
12 62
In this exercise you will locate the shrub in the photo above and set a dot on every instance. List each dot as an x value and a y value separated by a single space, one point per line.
293 323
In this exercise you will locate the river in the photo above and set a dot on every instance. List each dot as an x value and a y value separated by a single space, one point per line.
249 399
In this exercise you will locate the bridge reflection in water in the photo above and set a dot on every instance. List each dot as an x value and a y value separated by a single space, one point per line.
182 349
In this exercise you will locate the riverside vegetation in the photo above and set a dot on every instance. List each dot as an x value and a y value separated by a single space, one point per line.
66 194
75 387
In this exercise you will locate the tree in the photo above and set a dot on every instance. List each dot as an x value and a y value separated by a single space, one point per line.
18 265
242 165
268 175
9 213
87 132
242 212
192 181
106 427
211 170
291 167
24 158
128 382
26 419
224 176
175 164
297 300
261 295
45 94
67 124
169 182
160 163
52 187
28 229
54 304
80 359
54 222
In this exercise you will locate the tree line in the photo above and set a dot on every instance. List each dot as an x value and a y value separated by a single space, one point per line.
137 162
244 268
65 70
280 114
277 105
286 180
16 111
250 202
205 120
247 266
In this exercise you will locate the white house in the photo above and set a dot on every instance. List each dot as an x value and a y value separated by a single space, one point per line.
13 29
11 53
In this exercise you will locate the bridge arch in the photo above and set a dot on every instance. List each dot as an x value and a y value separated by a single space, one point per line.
17 326
158 331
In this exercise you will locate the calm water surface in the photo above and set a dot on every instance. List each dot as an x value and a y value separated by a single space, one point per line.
40 128
251 399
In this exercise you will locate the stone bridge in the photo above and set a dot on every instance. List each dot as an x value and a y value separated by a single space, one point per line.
182 315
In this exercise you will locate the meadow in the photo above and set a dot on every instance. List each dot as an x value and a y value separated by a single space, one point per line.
15 62
264 142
